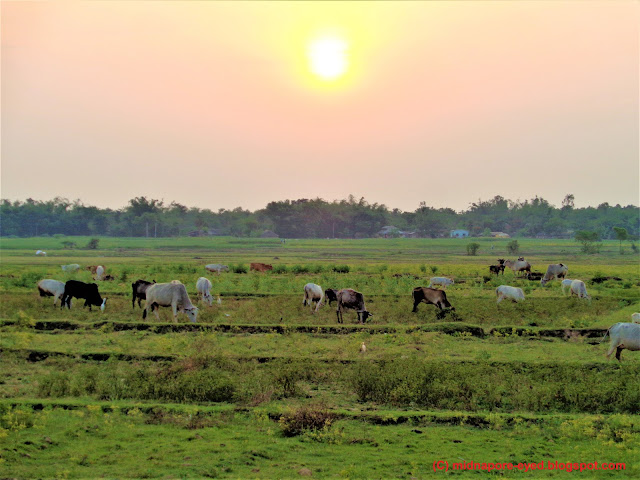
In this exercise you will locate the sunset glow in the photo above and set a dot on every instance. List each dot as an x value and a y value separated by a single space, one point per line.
328 58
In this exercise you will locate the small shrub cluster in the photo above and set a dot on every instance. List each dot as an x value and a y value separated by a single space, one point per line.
238 268
305 419
340 269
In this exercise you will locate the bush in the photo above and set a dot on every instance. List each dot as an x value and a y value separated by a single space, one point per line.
67 245
303 419
279 269
472 248
238 268
513 247
340 268
300 269
93 244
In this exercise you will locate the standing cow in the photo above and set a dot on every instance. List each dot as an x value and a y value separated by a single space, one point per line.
442 281
430 296
88 291
507 292
313 293
623 335
51 288
216 268
555 270
203 287
172 295
349 298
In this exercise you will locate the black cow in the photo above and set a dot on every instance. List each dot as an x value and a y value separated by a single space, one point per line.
139 291
331 294
88 291
496 269
430 296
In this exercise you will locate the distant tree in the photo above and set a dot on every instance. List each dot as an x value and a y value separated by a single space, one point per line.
513 247
472 248
568 202
621 235
588 240
93 244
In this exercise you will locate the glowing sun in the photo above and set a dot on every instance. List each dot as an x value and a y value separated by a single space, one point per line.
328 57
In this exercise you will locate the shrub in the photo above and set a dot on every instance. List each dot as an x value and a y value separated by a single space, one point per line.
303 419
513 247
93 244
67 245
279 269
300 269
434 269
340 268
472 248
238 268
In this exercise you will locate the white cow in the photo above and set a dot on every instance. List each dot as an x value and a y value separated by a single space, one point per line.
635 317
313 293
579 289
40 252
566 284
623 335
72 267
173 295
217 268
555 270
203 286
507 292
51 288
442 281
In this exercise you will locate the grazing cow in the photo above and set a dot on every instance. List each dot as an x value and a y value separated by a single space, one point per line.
216 267
519 265
313 293
349 298
430 296
579 289
442 281
108 278
139 291
566 284
635 317
172 295
555 270
40 252
88 291
203 287
73 267
331 294
623 335
51 288
533 276
260 267
514 294
496 269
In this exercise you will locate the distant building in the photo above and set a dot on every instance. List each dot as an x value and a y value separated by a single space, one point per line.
500 235
394 232
459 233
269 234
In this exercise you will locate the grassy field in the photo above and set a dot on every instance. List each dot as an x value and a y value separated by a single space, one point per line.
262 388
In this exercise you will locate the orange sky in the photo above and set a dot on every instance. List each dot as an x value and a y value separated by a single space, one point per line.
211 104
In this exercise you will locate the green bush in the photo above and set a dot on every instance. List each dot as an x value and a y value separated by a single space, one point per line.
304 419
513 247
238 268
93 244
472 248
340 268
279 269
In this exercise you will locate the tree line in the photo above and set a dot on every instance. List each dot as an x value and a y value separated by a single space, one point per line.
315 218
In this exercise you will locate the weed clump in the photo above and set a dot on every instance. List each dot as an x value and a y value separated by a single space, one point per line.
304 419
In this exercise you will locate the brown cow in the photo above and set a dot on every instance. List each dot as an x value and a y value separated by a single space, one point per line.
348 298
431 296
260 267
92 269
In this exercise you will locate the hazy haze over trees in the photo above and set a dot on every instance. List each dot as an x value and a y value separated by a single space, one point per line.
314 218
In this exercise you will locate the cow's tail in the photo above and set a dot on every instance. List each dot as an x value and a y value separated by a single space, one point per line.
605 335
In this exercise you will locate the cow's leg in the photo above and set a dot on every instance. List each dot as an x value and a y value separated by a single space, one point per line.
339 315
304 300
500 298
618 352
415 305
155 308
174 307
144 312
611 349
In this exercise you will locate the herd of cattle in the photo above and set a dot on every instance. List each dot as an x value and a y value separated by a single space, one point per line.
174 294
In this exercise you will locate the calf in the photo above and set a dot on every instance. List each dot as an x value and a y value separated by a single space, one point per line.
260 267
623 335
203 287
331 294
139 291
349 298
430 296
88 291
496 269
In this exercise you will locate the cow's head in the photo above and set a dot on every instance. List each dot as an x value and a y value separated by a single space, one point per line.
192 313
501 261
365 315
93 296
208 299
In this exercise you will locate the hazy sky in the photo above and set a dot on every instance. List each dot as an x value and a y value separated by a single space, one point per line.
213 104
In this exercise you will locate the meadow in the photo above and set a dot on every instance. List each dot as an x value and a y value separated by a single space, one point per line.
260 387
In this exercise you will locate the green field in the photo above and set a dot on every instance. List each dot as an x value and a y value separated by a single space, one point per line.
262 388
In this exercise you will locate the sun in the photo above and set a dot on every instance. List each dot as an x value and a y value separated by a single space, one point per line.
328 58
